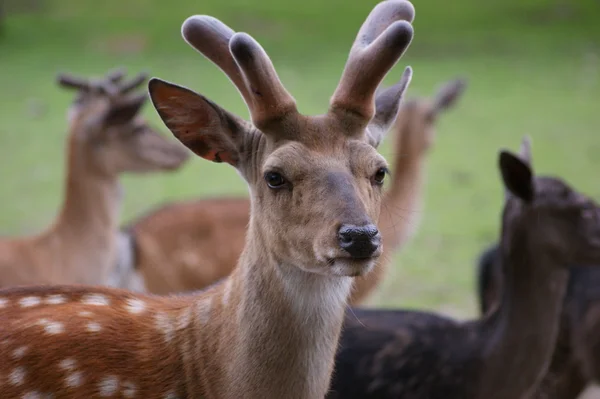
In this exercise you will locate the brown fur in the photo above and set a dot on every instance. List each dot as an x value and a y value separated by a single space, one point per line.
271 328
105 140
419 355
201 240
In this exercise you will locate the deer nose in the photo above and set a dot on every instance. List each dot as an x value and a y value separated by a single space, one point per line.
359 241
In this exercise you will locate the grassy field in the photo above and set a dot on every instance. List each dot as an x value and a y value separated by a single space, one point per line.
533 67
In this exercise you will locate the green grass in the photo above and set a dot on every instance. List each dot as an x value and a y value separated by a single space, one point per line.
531 70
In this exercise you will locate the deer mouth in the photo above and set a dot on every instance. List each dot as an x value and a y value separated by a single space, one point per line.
352 266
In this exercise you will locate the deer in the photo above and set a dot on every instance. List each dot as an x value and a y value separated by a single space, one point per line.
546 224
270 329
106 139
575 361
201 239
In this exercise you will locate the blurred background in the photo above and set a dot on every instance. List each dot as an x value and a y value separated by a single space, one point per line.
533 67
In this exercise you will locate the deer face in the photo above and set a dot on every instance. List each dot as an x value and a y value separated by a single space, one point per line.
568 222
315 181
112 135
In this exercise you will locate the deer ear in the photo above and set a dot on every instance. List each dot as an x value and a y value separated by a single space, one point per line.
387 105
125 110
201 125
517 176
448 94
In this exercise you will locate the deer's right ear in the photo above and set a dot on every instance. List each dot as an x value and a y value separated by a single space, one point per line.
201 125
517 176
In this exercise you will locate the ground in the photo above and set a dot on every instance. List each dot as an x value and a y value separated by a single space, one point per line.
533 68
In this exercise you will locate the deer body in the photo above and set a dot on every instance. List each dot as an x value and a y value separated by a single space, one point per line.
574 363
201 240
391 354
271 328
85 231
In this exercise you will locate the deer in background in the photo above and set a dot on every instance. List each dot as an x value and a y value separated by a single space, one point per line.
270 329
575 361
106 138
419 355
189 245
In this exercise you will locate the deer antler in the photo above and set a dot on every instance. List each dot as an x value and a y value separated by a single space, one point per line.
246 64
525 149
111 84
381 41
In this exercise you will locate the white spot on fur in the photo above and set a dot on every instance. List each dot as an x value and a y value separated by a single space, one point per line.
17 376
184 319
67 364
55 299
108 386
95 300
32 395
226 291
51 327
29 301
3 302
74 379
204 308
19 352
85 313
93 327
164 325
170 395
129 389
135 306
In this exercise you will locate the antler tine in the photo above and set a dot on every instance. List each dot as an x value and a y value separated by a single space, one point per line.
116 75
73 82
381 41
525 149
245 63
134 83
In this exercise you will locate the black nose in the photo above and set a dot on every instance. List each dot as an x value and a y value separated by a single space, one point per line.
359 241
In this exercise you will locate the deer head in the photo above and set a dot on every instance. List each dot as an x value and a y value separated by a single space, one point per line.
529 197
417 118
108 129
315 181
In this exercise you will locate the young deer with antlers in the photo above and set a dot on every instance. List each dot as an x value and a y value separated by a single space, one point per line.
189 245
106 139
418 355
270 330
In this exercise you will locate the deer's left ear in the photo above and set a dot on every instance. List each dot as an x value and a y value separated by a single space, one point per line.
201 125
448 95
517 176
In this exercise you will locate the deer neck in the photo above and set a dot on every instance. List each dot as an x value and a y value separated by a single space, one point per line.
278 328
402 202
521 333
87 225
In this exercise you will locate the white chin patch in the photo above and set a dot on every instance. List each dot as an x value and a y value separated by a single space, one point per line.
352 267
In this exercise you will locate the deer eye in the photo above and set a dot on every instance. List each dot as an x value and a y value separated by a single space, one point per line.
275 180
379 176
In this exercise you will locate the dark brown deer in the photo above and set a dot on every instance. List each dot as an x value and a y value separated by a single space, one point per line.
107 138
575 362
189 245
418 355
269 330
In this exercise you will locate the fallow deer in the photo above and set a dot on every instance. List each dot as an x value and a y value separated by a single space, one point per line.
575 362
410 354
270 329
189 245
107 138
